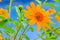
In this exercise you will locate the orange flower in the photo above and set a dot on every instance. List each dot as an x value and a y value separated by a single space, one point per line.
57 18
38 15
4 13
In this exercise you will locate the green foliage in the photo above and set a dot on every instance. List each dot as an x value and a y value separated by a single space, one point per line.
6 38
32 29
58 1
2 21
58 12
10 31
49 4
24 37
8 8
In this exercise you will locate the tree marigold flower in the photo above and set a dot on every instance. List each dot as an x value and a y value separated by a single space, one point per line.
4 13
38 15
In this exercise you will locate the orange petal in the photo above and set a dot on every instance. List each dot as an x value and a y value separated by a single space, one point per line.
28 16
32 4
44 28
33 7
47 26
38 26
38 8
6 11
28 8
57 18
52 11
32 21
49 21
25 11
7 16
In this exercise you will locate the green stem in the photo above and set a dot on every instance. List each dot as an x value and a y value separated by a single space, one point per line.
10 6
25 30
16 35
17 32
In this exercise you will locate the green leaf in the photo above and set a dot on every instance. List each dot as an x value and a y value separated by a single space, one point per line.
32 29
9 31
58 12
49 4
53 37
17 10
6 38
3 21
58 1
25 37
8 8
12 1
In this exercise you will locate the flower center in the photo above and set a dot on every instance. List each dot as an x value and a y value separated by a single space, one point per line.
39 16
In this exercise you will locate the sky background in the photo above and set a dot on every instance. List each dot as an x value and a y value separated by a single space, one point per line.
30 34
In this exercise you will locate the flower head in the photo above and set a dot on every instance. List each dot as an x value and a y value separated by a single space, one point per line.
38 16
4 13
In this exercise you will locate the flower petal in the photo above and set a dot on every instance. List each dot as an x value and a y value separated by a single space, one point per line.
29 16
25 11
38 7
28 8
38 26
57 18
32 21
33 7
52 11
32 4
47 26
43 26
